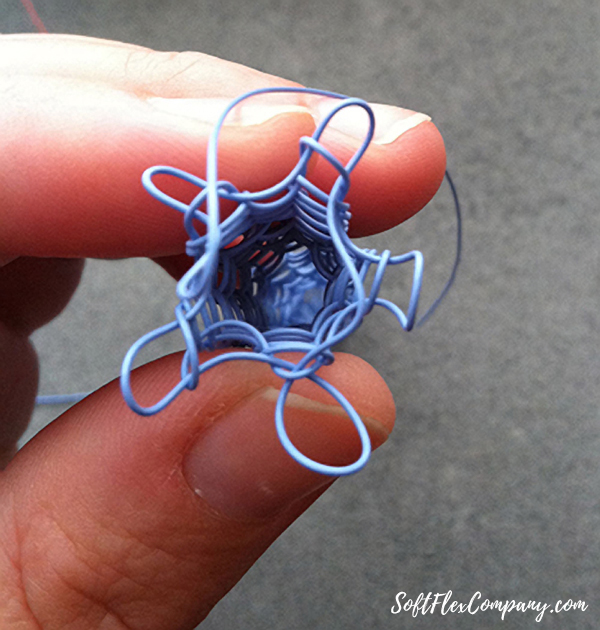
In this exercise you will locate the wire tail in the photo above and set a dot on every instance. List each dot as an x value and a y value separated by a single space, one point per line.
457 256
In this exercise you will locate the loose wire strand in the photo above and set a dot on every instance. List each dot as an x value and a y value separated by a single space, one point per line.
33 16
61 399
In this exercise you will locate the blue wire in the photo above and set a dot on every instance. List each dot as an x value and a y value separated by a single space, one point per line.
280 274
61 399
457 255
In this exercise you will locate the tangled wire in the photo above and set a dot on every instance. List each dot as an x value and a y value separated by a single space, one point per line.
278 275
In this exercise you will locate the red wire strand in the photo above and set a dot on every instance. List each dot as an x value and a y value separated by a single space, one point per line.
33 16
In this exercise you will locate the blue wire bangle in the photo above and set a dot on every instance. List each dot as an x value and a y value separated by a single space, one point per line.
280 274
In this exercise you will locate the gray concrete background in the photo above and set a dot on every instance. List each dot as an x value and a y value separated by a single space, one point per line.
491 481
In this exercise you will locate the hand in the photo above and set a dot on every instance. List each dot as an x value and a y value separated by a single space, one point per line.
108 519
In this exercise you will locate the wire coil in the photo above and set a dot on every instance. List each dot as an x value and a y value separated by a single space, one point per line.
279 274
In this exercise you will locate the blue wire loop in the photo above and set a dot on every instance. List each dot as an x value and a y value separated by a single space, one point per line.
280 274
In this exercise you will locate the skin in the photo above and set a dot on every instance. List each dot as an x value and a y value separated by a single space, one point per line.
101 521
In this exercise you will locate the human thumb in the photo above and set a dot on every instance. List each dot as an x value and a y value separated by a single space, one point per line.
111 520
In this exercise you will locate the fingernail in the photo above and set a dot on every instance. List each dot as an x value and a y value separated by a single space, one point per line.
239 468
390 122
208 110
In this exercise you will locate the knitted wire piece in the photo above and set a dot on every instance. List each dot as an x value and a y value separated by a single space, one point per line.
279 274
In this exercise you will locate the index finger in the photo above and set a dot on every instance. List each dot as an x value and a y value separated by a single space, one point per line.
82 119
